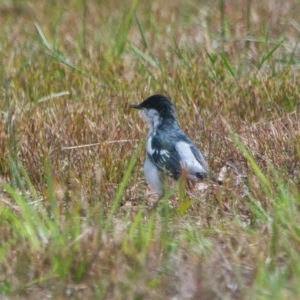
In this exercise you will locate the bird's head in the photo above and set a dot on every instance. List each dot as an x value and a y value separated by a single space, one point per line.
156 109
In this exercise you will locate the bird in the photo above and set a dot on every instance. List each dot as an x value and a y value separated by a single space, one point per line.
169 152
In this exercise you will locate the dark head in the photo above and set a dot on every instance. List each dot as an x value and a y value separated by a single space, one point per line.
160 104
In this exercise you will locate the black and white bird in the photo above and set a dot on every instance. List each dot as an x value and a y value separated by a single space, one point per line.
169 151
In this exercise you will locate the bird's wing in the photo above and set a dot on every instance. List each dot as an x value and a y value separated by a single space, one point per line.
191 157
203 162
164 156
198 155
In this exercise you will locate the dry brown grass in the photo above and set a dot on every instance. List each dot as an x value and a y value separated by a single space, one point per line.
234 96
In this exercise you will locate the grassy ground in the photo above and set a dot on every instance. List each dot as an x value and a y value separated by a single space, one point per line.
75 221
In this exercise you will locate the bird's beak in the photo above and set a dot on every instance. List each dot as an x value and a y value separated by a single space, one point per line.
137 106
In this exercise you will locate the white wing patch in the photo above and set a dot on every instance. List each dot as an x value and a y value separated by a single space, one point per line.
188 159
164 153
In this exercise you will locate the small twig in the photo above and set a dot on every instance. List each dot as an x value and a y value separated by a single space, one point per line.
97 144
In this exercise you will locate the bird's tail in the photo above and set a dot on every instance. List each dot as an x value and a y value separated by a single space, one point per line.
218 181
209 176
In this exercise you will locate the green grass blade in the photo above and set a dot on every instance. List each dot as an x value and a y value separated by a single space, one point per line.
54 54
261 177
227 64
33 193
144 40
124 28
212 58
268 55
123 185
33 226
182 55
42 35
143 57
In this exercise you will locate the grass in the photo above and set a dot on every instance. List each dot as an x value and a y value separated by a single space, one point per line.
75 217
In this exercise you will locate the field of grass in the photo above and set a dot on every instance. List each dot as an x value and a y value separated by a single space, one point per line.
75 212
